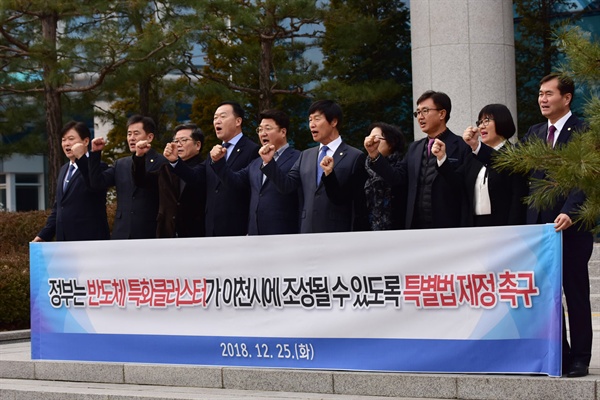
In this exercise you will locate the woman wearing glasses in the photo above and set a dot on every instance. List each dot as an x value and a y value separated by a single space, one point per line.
493 197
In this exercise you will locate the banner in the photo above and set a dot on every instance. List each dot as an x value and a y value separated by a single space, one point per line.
471 300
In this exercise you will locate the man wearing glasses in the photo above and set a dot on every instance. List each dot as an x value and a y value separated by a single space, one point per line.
271 211
433 200
180 205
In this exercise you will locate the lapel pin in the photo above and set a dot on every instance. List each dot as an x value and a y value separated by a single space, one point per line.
152 160
341 154
238 150
568 129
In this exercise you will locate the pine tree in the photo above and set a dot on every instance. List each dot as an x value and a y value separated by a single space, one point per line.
575 166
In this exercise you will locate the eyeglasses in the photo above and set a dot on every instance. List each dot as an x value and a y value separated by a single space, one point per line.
485 122
425 111
265 129
182 141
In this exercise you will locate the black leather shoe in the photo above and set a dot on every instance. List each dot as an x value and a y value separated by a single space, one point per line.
578 369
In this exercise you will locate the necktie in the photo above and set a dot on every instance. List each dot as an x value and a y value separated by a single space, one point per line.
429 146
69 175
322 154
550 139
226 145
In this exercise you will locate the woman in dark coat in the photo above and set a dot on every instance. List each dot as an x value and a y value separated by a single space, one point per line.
386 205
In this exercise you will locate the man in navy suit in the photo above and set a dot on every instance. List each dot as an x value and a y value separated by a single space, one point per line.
226 207
271 211
555 98
324 210
434 200
137 206
79 213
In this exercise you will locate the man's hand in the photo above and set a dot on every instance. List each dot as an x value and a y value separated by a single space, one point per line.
217 152
327 165
471 137
267 152
98 144
170 152
371 145
38 239
562 222
439 149
142 147
78 150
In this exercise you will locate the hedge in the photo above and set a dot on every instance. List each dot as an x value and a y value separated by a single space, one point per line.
17 229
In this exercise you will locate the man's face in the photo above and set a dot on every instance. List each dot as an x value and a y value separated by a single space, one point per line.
553 105
270 133
430 119
186 146
322 131
135 133
226 124
69 139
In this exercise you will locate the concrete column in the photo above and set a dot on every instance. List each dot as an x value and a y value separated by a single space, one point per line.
464 48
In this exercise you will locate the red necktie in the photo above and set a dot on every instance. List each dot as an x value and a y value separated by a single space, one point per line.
550 139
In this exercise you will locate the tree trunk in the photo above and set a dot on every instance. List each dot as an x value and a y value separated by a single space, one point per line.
264 74
53 104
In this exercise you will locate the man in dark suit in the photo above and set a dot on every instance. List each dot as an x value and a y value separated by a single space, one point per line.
324 210
181 206
79 213
226 208
434 200
271 211
555 98
137 206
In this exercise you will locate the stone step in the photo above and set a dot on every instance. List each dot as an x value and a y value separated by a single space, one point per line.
51 380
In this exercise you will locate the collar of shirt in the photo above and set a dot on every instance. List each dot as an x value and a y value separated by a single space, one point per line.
332 146
233 142
280 151
499 146
560 124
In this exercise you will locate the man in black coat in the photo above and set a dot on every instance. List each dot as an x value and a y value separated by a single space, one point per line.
181 206
433 199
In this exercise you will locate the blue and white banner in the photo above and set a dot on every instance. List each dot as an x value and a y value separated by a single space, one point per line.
484 300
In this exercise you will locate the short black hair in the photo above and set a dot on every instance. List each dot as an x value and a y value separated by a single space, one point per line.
82 130
238 111
565 84
329 108
440 99
197 135
147 123
502 117
393 136
281 119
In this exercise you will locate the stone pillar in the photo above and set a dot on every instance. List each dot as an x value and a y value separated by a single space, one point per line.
464 48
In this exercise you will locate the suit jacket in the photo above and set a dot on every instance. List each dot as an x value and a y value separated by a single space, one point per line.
180 206
567 205
341 209
271 211
226 207
506 191
137 206
79 213
447 189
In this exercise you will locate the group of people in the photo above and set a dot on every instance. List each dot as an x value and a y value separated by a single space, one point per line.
243 188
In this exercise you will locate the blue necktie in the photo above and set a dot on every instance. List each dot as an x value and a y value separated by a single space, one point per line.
226 145
322 154
69 175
